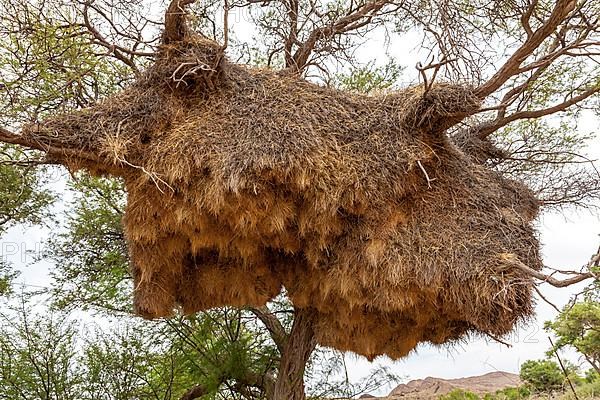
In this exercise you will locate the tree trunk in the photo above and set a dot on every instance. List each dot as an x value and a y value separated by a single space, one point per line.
297 350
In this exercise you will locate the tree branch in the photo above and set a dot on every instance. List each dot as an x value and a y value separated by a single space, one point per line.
512 65
115 50
273 325
562 367
51 151
525 18
578 277
301 344
539 292
264 382
354 20
194 393
292 37
491 127
175 25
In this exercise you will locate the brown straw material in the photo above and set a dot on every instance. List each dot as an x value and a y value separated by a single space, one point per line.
243 181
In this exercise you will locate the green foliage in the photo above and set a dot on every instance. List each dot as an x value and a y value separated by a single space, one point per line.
133 361
37 354
590 390
459 394
53 356
542 375
7 275
585 391
514 393
220 346
23 197
577 326
90 254
368 78
591 375
545 155
569 76
48 62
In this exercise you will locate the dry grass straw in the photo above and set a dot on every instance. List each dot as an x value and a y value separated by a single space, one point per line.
242 181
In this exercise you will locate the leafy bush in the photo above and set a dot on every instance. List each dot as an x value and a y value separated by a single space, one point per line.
577 327
542 375
459 394
587 391
590 390
513 393
591 375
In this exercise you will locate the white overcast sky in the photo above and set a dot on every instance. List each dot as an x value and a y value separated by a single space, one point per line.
568 242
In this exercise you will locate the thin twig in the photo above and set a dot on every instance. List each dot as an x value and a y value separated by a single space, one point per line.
539 292
428 83
564 370
429 180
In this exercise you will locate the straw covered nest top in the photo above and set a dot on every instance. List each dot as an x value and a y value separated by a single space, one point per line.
244 181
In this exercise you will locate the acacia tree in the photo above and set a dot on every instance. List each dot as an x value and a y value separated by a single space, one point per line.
226 353
546 77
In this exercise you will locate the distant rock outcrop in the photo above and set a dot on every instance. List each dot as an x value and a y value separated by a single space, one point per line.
431 388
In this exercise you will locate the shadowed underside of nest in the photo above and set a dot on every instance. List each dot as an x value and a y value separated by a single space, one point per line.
244 181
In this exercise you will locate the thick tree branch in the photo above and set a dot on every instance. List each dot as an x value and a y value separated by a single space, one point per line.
292 37
561 9
273 325
52 151
488 128
577 276
194 393
175 26
301 344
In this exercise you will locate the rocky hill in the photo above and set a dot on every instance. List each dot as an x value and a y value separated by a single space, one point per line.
431 388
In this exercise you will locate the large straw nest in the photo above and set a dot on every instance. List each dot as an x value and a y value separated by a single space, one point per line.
242 181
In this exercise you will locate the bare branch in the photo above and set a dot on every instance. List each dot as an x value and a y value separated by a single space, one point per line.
225 24
273 325
490 127
361 17
427 83
539 292
116 51
577 278
561 9
562 367
55 150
